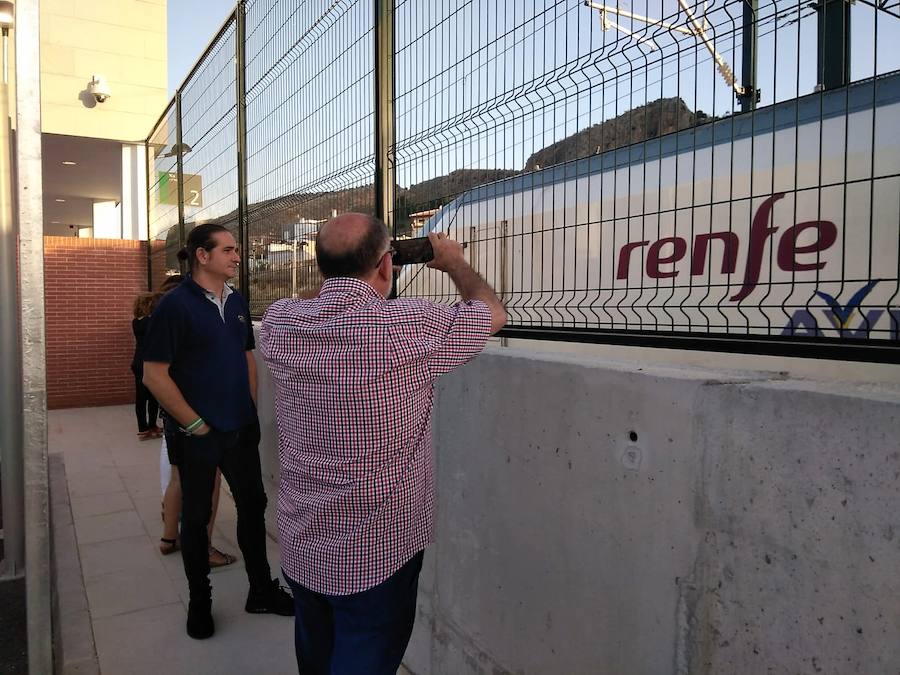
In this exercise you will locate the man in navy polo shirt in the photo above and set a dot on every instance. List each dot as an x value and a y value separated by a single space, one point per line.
198 362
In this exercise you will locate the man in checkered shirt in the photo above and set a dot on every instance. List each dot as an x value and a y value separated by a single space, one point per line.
353 376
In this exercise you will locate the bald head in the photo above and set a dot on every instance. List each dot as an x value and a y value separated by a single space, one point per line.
350 245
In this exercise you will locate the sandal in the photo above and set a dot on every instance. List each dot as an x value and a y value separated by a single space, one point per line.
168 546
145 435
219 559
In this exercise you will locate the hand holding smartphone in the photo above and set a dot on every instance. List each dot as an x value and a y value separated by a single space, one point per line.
413 251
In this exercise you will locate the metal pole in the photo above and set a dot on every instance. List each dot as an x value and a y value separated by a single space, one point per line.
147 200
240 60
385 170
179 176
11 461
504 269
834 43
294 267
31 260
750 97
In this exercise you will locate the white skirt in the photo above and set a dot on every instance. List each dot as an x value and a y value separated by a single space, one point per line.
165 469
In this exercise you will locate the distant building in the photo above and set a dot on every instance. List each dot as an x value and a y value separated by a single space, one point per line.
304 229
418 220
286 253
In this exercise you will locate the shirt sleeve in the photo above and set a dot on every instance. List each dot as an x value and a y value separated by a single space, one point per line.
455 334
164 333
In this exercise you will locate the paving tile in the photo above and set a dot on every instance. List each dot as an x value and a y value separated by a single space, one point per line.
99 505
84 667
109 526
138 458
97 482
77 638
236 629
60 514
152 641
119 555
179 582
145 486
148 509
137 597
145 471
70 591
121 592
86 465
243 643
230 579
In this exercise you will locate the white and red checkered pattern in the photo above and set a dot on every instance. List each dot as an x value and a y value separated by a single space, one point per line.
353 377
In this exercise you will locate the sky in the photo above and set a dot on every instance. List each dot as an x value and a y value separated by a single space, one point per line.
192 24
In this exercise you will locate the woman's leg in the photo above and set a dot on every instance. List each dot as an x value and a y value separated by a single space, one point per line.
152 414
140 404
215 503
172 507
216 557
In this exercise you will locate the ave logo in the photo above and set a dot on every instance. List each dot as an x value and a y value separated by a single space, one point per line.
849 320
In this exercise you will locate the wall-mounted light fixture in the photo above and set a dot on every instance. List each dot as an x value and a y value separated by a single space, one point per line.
178 149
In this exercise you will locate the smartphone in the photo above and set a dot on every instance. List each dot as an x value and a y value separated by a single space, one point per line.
412 251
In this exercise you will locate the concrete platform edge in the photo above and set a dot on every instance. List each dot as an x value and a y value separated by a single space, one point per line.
73 636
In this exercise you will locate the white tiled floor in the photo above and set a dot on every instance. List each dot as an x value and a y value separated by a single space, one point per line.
137 597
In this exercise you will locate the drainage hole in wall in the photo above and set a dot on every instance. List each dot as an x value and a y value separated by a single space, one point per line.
632 436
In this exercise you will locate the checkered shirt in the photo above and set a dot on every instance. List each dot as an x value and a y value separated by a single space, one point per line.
353 377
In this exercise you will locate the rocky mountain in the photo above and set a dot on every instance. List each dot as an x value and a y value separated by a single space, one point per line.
660 117
438 191
270 218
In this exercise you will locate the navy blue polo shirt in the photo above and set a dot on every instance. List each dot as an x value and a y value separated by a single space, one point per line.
206 354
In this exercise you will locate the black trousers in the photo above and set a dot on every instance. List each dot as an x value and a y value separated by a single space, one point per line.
364 633
236 453
146 409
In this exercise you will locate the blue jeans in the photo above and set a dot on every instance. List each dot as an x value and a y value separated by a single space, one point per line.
364 633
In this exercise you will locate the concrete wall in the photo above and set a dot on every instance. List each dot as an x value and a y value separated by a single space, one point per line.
770 366
603 517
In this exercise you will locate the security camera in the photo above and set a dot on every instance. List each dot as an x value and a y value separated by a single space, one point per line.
99 89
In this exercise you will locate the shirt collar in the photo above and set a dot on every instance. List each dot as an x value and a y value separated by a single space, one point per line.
209 295
349 286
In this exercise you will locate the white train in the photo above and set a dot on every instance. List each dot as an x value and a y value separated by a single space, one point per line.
783 221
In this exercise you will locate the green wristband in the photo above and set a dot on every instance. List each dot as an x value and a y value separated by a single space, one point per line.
196 424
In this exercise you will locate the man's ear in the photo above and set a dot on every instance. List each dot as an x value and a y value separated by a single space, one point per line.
386 268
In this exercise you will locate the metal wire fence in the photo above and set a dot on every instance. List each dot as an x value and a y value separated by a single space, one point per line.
309 135
192 156
717 175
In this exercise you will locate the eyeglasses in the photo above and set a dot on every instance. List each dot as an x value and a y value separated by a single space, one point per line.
391 252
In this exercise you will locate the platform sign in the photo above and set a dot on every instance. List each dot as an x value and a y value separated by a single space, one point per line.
168 188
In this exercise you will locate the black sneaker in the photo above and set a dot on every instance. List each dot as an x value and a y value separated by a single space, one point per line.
272 599
199 620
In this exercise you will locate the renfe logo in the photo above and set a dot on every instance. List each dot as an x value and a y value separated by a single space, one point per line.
760 231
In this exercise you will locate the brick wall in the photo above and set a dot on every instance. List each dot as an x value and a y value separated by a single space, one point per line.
158 267
90 287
